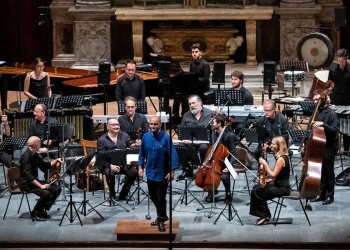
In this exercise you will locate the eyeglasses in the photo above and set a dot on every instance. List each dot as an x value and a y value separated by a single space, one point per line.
130 107
131 70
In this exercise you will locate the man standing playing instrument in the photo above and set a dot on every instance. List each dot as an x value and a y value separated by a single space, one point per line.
131 119
339 73
30 162
130 84
5 132
156 153
229 140
116 139
200 67
275 123
328 119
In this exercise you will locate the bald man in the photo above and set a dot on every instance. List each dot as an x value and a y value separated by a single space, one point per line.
155 152
30 162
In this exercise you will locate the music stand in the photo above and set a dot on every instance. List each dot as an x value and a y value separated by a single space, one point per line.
31 103
193 133
104 158
13 143
307 105
293 65
251 135
187 156
70 101
221 97
141 107
229 206
73 168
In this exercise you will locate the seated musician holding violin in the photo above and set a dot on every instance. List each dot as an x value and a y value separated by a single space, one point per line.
116 139
227 139
30 162
328 119
276 185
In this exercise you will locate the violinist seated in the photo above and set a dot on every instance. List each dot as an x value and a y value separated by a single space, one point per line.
30 162
274 123
329 121
277 185
228 140
117 139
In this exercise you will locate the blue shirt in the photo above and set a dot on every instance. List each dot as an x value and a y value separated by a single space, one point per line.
155 151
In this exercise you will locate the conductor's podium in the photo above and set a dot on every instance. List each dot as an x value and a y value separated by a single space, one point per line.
142 230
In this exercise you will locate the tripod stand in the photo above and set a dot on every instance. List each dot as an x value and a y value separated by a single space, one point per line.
105 158
73 212
84 162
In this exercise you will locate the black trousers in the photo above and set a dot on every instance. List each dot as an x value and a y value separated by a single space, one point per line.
157 191
327 174
260 195
47 196
5 159
130 176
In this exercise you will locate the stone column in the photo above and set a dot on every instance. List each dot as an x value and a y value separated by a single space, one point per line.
137 38
92 34
251 42
62 25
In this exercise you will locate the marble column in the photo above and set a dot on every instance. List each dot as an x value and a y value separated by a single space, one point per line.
251 42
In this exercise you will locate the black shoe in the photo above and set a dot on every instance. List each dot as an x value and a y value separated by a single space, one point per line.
327 201
161 227
318 198
157 221
182 176
36 216
45 215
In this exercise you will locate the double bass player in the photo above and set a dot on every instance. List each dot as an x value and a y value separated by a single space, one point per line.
328 119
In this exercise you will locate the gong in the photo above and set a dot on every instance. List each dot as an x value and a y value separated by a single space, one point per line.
316 49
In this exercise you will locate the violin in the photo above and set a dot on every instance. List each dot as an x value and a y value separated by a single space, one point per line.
56 170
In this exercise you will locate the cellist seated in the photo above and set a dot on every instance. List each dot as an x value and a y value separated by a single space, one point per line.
224 142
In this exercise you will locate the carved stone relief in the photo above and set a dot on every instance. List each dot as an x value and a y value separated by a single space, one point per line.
92 41
291 33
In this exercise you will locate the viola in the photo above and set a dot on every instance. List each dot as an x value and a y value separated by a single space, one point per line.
262 172
55 175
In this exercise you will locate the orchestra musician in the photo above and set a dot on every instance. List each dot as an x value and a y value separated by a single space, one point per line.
200 67
5 131
237 78
37 83
40 128
274 122
155 154
229 140
196 116
116 139
131 119
328 119
277 185
30 162
339 73
130 84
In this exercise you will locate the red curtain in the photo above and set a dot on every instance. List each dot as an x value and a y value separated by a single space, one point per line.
22 38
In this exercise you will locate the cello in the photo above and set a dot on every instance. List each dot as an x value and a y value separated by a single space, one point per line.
208 176
313 154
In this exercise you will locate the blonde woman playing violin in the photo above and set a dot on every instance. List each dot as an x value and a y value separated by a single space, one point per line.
277 184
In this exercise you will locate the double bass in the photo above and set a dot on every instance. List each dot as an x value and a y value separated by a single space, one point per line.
208 176
313 154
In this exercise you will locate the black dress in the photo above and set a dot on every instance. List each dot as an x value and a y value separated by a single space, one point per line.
38 88
278 188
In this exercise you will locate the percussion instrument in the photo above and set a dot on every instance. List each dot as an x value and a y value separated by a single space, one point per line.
319 81
317 49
